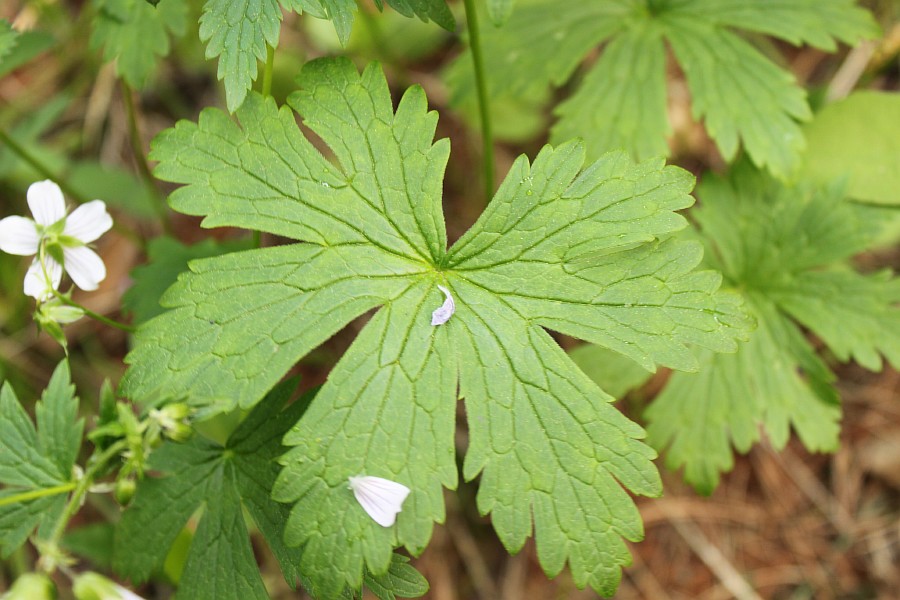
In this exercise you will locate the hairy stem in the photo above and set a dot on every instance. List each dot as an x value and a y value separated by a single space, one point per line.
34 494
137 148
69 302
95 464
483 105
267 71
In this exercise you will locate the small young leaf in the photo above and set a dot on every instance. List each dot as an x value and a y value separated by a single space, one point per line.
784 248
587 253
35 460
135 34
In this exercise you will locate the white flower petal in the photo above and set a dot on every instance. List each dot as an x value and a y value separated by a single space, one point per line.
84 267
88 221
126 594
443 313
36 284
381 498
46 202
19 236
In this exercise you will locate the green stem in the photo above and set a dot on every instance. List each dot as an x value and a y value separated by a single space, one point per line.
266 92
81 488
483 104
96 316
267 71
137 148
40 167
34 494
69 302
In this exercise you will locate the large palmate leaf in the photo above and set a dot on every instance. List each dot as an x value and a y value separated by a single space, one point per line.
743 97
783 248
37 462
585 254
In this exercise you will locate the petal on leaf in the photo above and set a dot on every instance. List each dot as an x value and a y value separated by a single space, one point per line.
382 499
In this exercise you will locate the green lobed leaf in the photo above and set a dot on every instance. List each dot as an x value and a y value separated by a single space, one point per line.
585 254
857 136
225 480
784 248
743 97
167 258
614 373
434 10
401 580
33 460
237 31
8 39
622 100
539 46
818 23
135 34
25 46
771 381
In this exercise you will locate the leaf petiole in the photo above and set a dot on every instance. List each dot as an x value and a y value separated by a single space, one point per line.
484 111
35 494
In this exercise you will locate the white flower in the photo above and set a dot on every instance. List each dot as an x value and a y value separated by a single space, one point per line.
443 313
381 498
64 239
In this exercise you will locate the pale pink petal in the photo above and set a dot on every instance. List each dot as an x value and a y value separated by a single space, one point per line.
36 284
46 202
19 236
88 221
84 267
381 498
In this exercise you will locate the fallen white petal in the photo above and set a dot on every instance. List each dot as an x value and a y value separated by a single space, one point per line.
126 594
88 221
443 313
36 284
19 236
381 498
46 202
84 267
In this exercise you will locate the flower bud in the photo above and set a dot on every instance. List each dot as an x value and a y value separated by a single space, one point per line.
124 491
31 586
172 419
93 586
